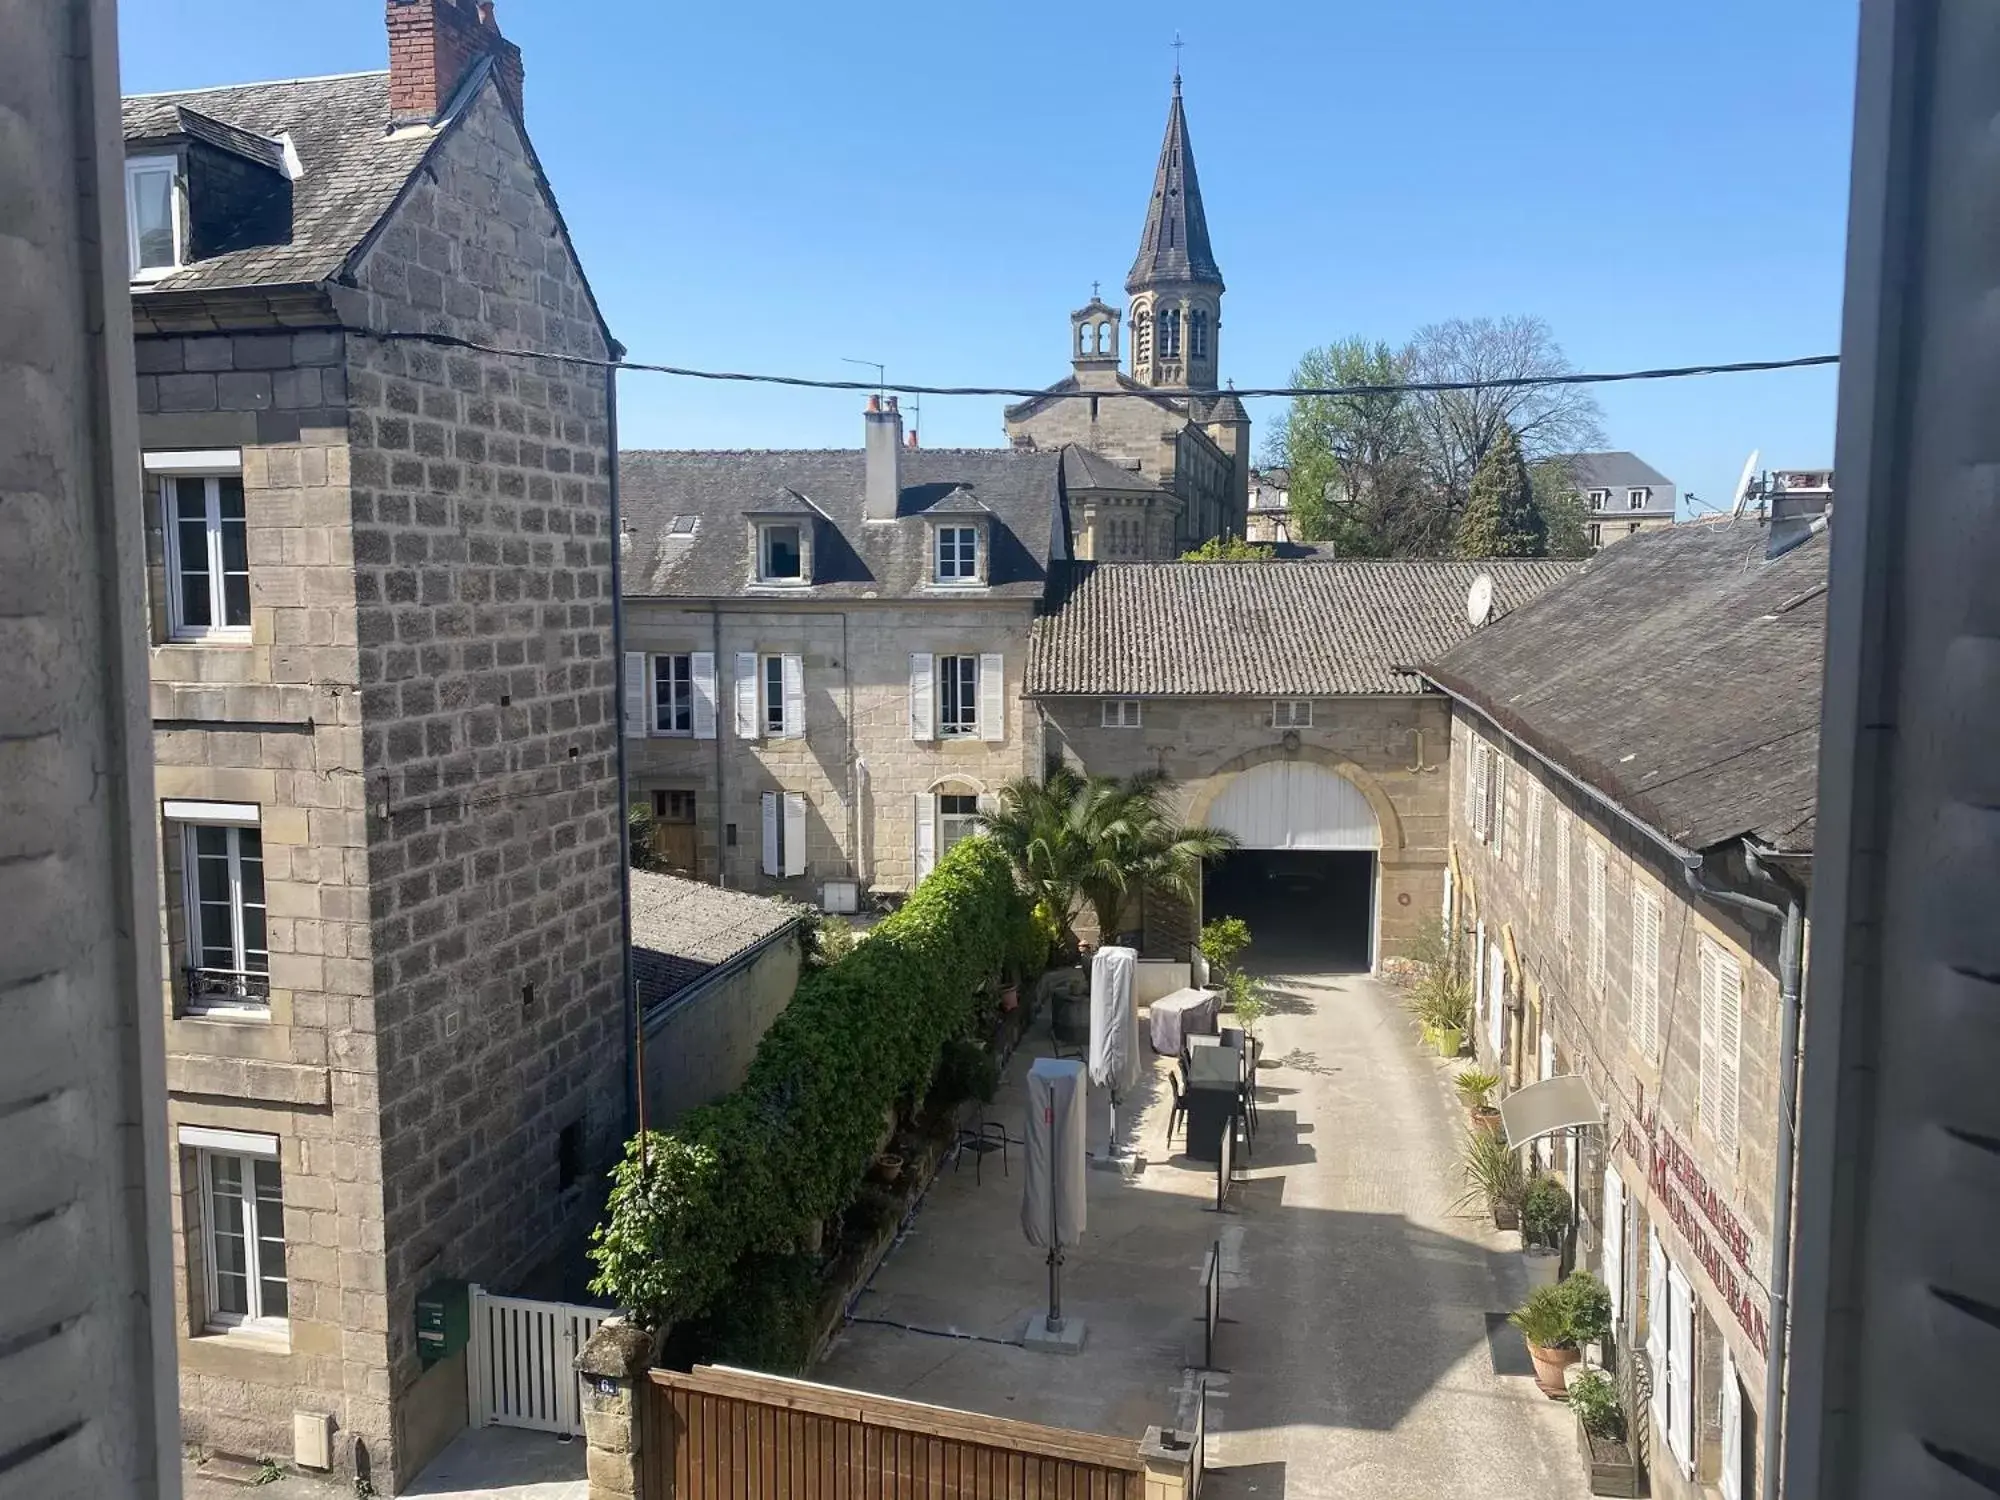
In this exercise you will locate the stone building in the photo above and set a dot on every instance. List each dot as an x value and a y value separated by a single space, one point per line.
1622 495
1166 420
1628 853
1283 698
383 686
1270 513
823 652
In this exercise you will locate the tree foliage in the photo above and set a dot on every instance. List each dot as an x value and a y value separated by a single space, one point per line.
1228 549
1094 842
1501 517
1353 459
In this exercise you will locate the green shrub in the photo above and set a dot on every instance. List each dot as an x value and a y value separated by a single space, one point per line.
1544 1319
751 1173
1476 1086
829 939
1594 1399
1589 1303
1248 1000
1221 940
965 1071
769 1320
1544 1212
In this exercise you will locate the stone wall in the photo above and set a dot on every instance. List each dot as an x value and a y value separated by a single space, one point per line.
860 820
483 586
1517 901
1374 742
701 1048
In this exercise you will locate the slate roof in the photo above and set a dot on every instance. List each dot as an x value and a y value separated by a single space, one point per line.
1087 469
1069 385
853 558
1611 471
261 149
1303 629
1174 244
684 929
354 170
1678 673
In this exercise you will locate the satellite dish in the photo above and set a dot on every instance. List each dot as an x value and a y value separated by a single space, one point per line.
1479 600
1743 485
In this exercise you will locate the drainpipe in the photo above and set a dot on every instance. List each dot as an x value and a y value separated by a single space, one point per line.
1790 974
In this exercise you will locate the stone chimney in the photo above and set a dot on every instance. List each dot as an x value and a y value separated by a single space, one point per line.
884 484
433 44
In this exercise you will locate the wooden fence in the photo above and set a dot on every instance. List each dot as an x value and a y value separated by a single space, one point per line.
720 1434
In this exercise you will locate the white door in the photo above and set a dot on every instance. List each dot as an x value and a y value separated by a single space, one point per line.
1496 1002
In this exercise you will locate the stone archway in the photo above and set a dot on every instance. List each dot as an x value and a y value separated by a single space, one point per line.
1211 787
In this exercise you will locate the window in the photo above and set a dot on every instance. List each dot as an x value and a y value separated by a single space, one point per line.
569 1156
228 960
774 696
1198 332
958 554
1645 1022
957 816
152 217
1596 535
1593 916
1121 713
1565 920
1721 1042
1636 497
1170 333
1600 499
1496 818
784 833
770 696
780 555
673 807
673 695
1292 713
1670 1351
958 696
1531 858
1142 338
207 556
1634 529
243 1221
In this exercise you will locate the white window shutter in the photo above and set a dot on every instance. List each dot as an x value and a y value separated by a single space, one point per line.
1646 971
635 695
926 833
701 667
795 833
1656 1326
794 671
1614 1242
1472 782
1531 838
772 864
1565 917
989 805
992 696
1595 896
923 696
1731 1458
1499 822
746 695
1680 1369
1709 1092
1728 1048
1480 803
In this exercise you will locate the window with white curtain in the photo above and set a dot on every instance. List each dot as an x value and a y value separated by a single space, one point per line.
243 1233
207 556
228 953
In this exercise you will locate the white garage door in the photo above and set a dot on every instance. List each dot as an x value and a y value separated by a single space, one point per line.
1288 804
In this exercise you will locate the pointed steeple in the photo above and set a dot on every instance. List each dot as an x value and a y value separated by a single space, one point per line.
1174 246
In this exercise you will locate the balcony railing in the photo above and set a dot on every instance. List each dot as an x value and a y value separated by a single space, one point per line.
223 989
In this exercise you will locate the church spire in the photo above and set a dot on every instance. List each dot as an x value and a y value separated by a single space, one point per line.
1174 244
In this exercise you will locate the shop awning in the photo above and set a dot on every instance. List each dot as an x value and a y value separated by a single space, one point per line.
1546 1107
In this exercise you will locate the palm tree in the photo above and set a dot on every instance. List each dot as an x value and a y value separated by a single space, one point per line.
1096 841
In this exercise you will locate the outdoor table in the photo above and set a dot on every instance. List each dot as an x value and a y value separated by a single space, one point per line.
1214 1095
1185 1013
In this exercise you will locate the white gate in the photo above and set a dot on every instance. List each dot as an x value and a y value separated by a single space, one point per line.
522 1369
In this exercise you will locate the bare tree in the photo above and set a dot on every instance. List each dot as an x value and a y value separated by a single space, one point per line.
1456 428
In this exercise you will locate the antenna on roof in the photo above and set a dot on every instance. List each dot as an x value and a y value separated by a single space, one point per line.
881 372
1743 485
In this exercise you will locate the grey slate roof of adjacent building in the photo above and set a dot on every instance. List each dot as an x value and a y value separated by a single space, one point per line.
853 558
684 929
1615 470
1678 673
1086 469
1174 244
354 169
1261 630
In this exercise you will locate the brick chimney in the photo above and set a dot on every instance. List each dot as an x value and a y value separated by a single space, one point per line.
432 45
882 485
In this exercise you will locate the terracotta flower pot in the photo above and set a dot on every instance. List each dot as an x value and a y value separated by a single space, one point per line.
1549 1367
1010 997
1487 1118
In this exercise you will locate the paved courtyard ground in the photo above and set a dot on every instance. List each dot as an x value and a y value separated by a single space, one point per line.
1357 1360
491 1463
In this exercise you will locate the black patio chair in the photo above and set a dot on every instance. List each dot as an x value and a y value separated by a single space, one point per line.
1178 1114
981 1136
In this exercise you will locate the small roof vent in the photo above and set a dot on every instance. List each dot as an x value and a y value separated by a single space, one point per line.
684 526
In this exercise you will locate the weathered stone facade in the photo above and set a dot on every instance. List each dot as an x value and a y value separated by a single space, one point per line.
857 764
1708 1200
1391 748
419 723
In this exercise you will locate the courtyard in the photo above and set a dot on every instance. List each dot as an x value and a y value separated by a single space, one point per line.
1363 1351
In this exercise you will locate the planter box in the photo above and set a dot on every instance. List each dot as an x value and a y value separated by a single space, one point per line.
1506 1216
1611 1468
1544 1267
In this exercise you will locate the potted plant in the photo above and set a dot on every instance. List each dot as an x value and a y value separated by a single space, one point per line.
1545 1213
1544 1322
1249 1005
1600 1435
1444 1004
1493 1175
1475 1089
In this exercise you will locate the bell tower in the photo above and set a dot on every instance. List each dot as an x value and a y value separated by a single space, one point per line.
1175 285
1093 335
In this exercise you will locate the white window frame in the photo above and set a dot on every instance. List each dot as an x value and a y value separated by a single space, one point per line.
1721 1043
1638 497
946 819
771 697
1120 713
1292 713
678 703
136 167
766 530
211 469
1600 499
229 821
254 1319
955 556
965 668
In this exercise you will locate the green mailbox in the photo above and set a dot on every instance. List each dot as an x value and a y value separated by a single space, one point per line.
444 1321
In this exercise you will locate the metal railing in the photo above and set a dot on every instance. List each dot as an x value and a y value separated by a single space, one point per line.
222 988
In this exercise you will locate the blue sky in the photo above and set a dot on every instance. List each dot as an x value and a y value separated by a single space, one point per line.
777 184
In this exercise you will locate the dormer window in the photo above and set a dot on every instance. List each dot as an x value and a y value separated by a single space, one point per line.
780 553
152 217
958 554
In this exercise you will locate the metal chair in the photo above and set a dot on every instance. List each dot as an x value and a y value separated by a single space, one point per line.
1178 1114
980 1137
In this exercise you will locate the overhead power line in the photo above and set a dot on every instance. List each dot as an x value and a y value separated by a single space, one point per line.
807 382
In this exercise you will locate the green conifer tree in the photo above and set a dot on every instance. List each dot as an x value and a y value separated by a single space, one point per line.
1501 518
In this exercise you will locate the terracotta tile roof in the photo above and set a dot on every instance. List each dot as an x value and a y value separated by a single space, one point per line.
1260 630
